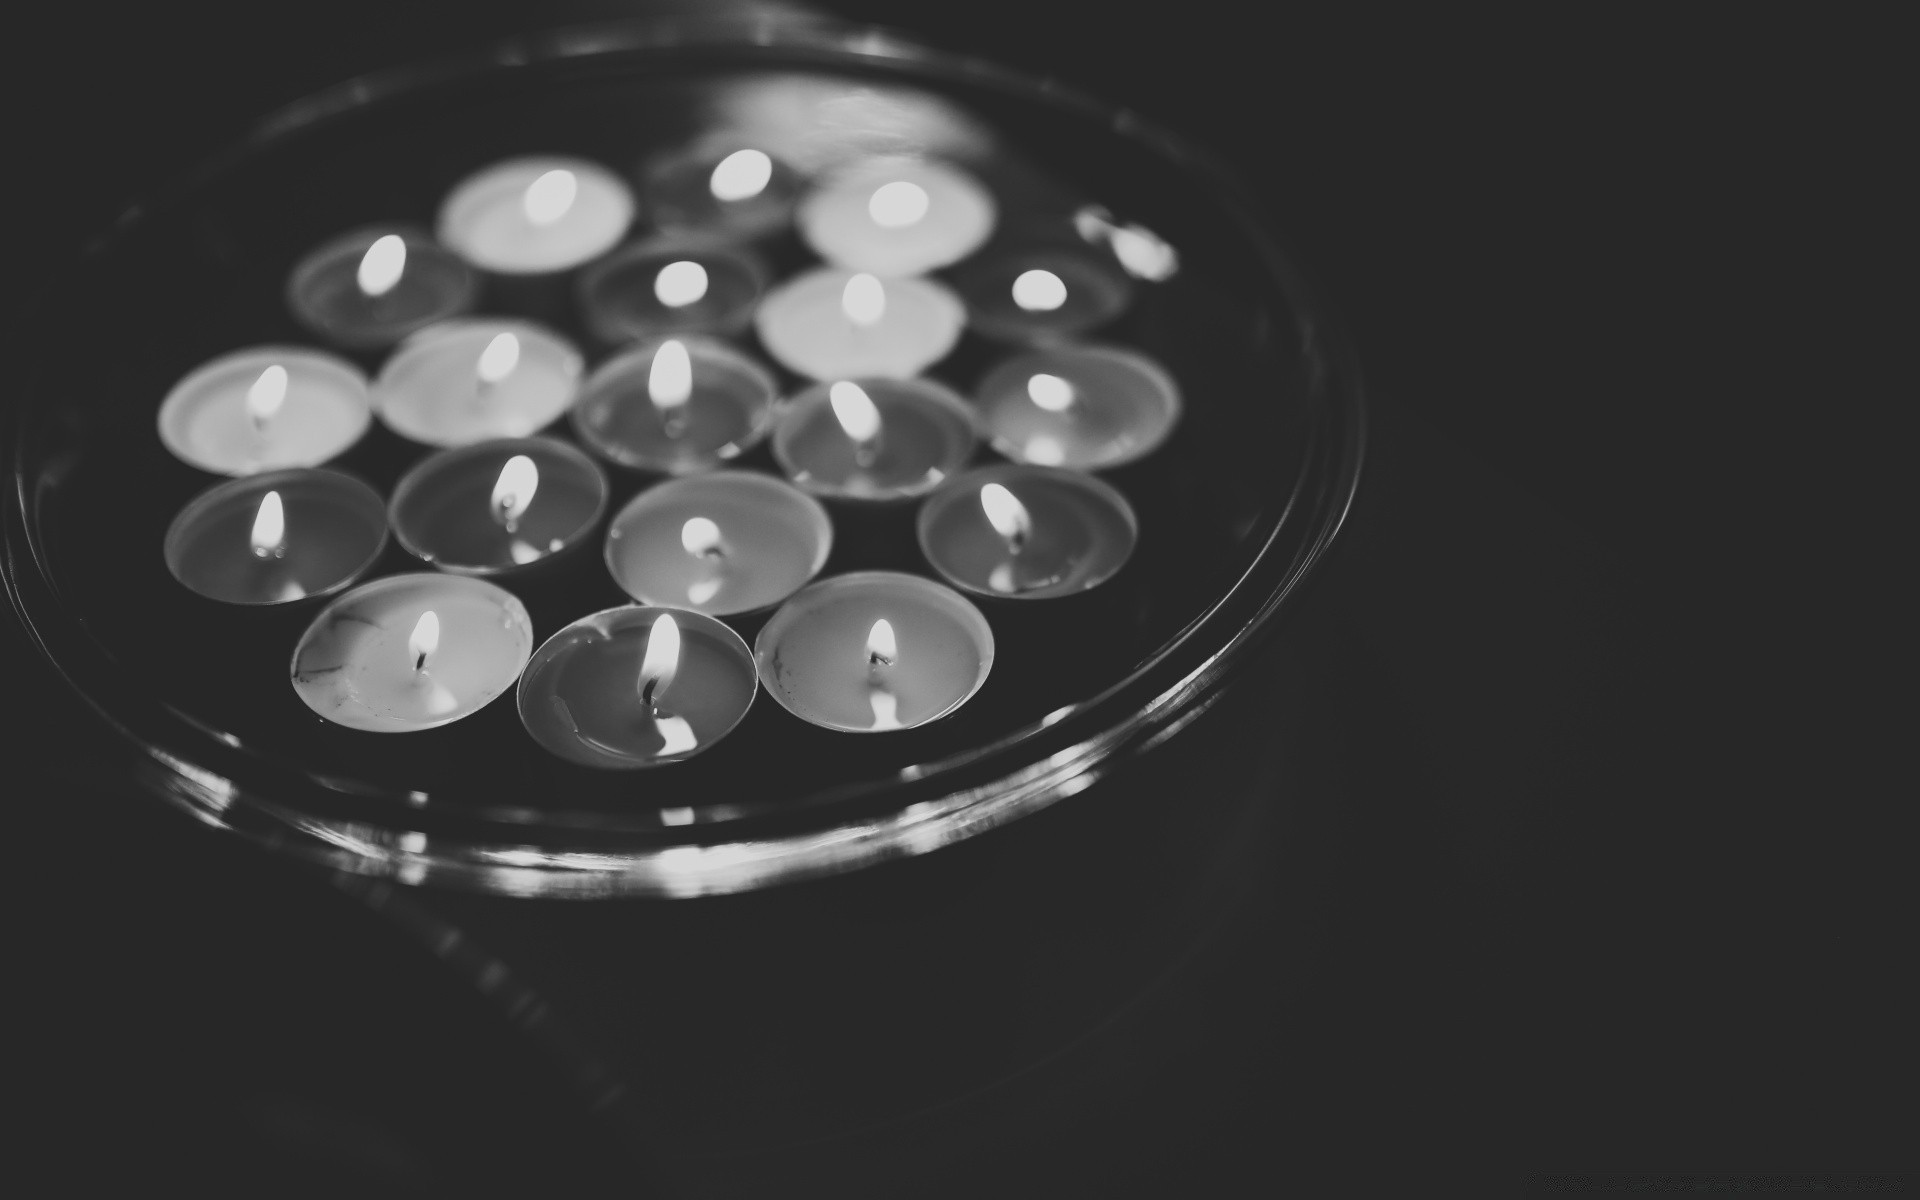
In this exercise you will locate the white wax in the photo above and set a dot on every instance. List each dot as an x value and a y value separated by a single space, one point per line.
804 324
431 390
895 235
205 423
485 218
1086 407
773 538
353 666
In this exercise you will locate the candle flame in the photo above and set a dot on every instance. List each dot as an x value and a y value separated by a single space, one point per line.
424 639
549 197
855 411
382 265
269 537
662 660
882 648
700 537
1039 291
1007 515
499 359
680 283
266 395
1143 253
864 300
1050 392
740 175
670 380
898 204
513 491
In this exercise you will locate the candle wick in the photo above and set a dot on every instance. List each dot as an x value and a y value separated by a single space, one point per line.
876 660
1017 541
420 662
674 420
646 696
503 513
864 453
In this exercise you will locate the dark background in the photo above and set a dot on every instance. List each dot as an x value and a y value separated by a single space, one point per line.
1618 892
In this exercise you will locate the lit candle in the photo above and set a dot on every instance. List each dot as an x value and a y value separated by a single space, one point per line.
277 537
533 216
724 543
637 687
874 439
874 651
496 505
372 287
412 652
1088 407
470 380
897 216
744 193
657 288
264 409
1027 533
1041 295
675 406
1141 252
834 324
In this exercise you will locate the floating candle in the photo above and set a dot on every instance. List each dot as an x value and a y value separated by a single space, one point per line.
1041 295
675 406
896 215
725 543
1088 407
744 193
1027 533
874 651
531 216
874 439
470 380
661 287
1143 253
496 505
277 537
372 287
834 324
263 409
411 652
636 687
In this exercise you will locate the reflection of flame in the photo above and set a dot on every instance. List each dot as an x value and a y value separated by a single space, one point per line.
670 379
676 736
741 175
898 204
514 490
700 537
499 359
1046 451
864 300
1039 291
269 537
266 395
382 264
882 648
855 411
662 660
886 708
548 198
424 639
680 283
1007 515
1050 392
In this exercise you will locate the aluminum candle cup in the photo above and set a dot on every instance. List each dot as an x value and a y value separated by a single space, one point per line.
725 543
834 324
265 408
874 439
666 286
1041 295
742 193
534 216
1027 533
1087 407
472 380
372 287
637 687
494 506
896 215
277 537
675 406
874 651
411 652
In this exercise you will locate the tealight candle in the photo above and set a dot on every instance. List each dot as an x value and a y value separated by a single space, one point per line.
745 193
533 216
470 380
277 537
874 439
896 215
1143 253
874 651
675 406
661 287
1088 407
372 287
834 324
263 409
1041 295
1027 533
729 542
636 687
412 652
496 505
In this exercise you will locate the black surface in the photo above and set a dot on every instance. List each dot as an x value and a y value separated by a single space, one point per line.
1598 887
